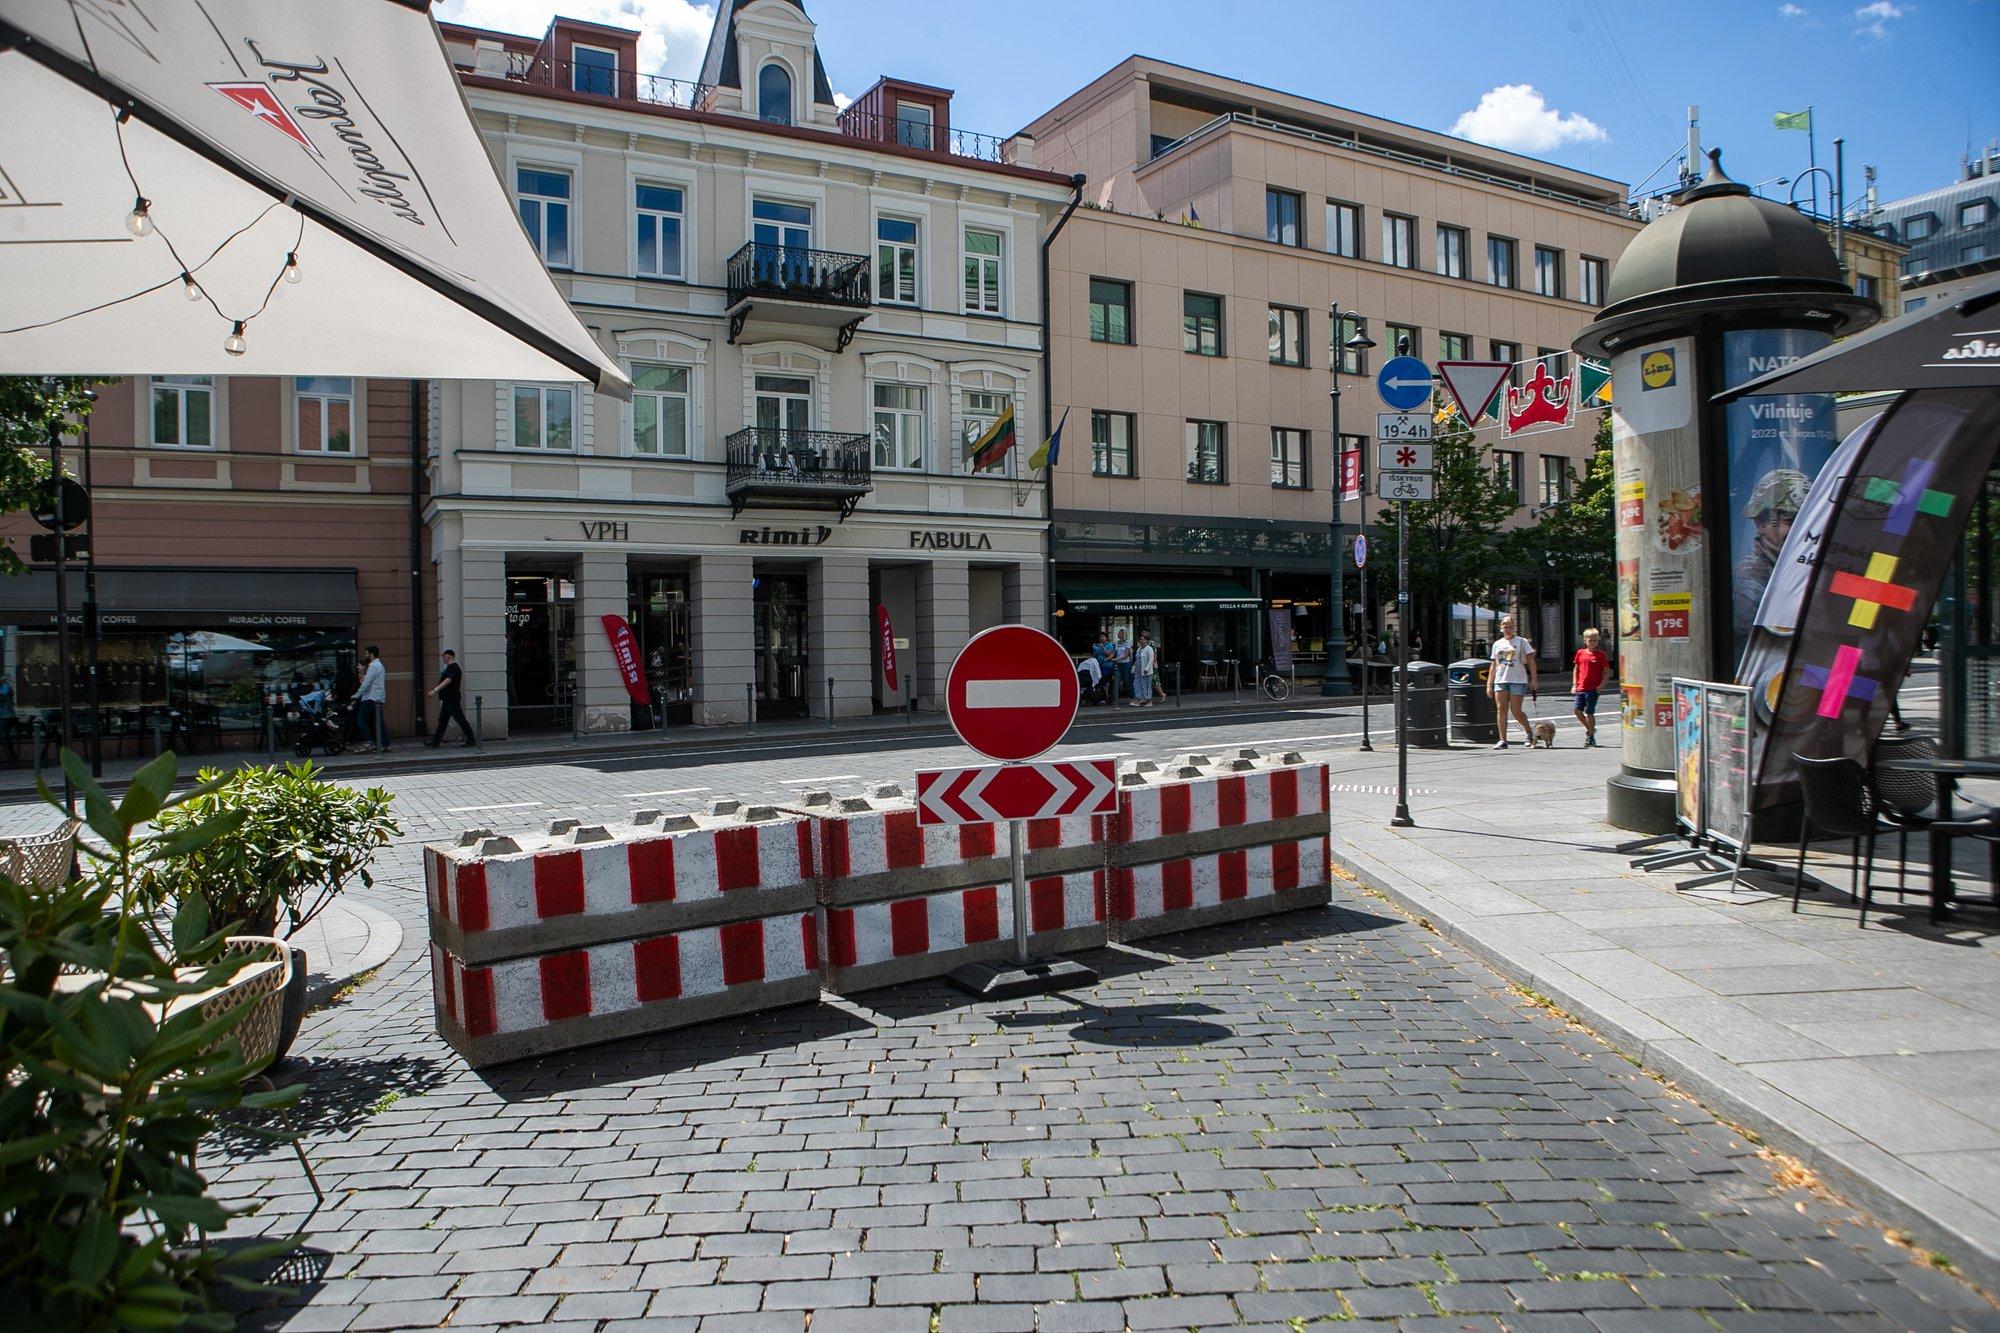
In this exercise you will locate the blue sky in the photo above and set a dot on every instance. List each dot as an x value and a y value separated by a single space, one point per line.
1600 86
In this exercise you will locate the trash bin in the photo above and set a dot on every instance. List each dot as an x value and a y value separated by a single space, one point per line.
1473 720
1426 703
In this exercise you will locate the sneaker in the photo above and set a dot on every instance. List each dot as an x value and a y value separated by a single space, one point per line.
1500 745
1590 742
430 745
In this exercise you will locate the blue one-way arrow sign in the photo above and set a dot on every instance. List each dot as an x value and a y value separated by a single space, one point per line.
1404 383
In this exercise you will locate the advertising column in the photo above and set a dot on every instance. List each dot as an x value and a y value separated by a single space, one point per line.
1662 542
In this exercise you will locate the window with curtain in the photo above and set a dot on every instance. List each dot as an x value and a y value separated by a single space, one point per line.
1343 229
896 260
1399 240
1110 311
1111 436
1548 271
1287 336
1288 458
1499 261
982 271
1201 324
1207 453
1451 242
1284 221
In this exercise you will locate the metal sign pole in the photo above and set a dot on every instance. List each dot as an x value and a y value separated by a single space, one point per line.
1017 864
1402 819
62 603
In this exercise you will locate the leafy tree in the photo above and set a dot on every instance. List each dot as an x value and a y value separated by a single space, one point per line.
29 406
1455 539
1574 542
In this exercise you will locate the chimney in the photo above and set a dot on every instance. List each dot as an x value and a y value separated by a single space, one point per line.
489 58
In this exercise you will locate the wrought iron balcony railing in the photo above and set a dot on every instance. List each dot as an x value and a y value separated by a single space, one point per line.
621 84
793 466
878 128
793 273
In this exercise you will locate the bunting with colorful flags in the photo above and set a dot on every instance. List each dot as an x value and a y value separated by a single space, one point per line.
1595 382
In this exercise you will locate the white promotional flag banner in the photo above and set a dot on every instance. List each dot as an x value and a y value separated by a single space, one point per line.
255 131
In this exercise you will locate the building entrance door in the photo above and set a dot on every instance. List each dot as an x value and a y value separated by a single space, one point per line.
784 676
541 652
661 620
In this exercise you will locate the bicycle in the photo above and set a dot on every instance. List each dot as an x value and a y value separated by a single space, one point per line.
1273 686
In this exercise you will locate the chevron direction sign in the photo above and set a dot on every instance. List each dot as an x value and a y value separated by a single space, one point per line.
996 793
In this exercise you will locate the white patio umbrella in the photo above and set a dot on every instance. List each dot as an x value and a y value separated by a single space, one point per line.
259 187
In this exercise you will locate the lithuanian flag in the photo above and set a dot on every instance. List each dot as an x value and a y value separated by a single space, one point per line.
991 447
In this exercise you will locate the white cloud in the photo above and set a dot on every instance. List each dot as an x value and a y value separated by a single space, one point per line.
841 101
1516 116
1792 11
672 33
1874 19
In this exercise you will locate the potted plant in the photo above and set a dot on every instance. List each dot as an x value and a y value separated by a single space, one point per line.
301 842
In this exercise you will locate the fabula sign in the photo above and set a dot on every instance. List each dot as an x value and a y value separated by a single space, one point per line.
943 539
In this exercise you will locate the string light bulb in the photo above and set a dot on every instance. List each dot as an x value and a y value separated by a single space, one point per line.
190 288
140 220
235 344
292 274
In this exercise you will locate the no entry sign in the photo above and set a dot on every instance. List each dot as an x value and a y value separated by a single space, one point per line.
1012 692
1017 791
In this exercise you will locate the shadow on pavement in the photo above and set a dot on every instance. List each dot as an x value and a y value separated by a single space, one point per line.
340 1093
1135 1027
298 1275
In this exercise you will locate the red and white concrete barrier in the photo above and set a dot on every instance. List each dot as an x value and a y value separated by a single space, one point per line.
874 848
1175 895
884 943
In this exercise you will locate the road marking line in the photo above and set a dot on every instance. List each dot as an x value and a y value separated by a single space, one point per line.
673 791
1013 694
468 809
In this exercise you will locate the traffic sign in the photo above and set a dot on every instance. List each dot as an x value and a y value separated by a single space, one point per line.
1012 692
1403 457
1407 486
1404 382
1402 425
995 794
1473 385
1361 551
75 503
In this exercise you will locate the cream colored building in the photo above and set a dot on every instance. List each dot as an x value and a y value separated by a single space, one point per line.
819 311
1190 328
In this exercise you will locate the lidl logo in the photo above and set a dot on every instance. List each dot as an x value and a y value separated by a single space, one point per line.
1657 370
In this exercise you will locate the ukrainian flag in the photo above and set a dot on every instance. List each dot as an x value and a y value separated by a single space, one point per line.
1052 447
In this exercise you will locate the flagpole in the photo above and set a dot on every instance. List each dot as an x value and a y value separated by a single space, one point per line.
1812 156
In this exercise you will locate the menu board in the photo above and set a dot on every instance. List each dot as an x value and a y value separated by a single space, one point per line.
1281 640
1687 755
1725 763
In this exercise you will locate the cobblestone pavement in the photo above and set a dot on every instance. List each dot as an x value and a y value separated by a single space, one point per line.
1334 1115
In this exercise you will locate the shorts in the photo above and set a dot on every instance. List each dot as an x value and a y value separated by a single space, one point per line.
1586 702
1519 687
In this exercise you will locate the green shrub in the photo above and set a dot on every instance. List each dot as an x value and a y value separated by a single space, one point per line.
103 1106
300 841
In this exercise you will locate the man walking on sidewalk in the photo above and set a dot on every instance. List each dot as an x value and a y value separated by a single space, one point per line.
1511 680
447 692
1586 679
368 701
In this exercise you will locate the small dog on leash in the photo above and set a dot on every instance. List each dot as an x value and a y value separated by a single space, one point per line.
1544 736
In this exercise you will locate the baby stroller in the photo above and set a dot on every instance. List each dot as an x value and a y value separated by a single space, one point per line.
1088 694
326 728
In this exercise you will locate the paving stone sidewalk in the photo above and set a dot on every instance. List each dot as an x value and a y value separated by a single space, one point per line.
1873 1054
1330 1116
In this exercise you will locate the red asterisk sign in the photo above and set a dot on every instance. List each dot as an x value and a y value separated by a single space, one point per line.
1406 455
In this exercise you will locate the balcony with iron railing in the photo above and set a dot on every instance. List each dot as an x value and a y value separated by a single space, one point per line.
621 85
878 128
795 285
797 469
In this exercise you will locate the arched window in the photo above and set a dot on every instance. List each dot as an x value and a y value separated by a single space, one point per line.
774 94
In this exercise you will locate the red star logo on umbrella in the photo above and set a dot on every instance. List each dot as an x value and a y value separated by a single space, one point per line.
1406 455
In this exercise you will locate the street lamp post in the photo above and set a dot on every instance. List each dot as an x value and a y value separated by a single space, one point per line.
1333 681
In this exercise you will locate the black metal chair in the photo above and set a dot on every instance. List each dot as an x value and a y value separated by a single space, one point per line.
1839 802
1984 828
1908 800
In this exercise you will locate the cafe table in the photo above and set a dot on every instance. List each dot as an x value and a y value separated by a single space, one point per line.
1973 766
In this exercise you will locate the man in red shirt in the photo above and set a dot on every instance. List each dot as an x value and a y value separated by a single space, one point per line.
1586 679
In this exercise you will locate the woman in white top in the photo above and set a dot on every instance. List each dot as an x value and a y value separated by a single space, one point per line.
1511 680
1142 672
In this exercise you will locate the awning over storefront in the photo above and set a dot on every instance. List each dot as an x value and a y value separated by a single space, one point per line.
1117 594
190 599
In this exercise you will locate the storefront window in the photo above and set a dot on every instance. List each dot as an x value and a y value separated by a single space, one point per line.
541 652
783 673
661 618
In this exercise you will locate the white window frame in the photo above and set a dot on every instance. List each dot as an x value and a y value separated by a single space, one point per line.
663 347
898 416
181 386
355 416
792 91
643 218
546 391
686 397
997 263
970 377
916 252
928 121
540 239
616 69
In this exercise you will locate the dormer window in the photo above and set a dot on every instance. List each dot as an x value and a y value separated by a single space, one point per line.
593 69
914 125
774 94
1917 228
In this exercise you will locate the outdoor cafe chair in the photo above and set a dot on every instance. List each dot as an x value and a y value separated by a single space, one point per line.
1840 803
1984 828
1906 798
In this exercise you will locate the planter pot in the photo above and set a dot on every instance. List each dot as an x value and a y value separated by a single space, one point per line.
295 1005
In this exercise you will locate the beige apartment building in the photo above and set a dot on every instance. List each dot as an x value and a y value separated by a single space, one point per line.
821 309
1189 304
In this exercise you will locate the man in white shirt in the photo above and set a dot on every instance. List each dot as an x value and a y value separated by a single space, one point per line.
1511 680
368 701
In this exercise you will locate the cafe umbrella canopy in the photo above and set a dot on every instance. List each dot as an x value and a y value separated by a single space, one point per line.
260 187
1953 344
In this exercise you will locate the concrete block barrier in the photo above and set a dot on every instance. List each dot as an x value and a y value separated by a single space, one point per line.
498 898
554 1001
1187 892
884 943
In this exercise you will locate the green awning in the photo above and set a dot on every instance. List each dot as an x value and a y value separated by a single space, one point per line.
1127 593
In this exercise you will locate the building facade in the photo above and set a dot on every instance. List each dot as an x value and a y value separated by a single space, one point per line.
1191 331
250 534
1953 233
822 314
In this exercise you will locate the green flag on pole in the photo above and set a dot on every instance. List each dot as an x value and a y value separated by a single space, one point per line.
1793 120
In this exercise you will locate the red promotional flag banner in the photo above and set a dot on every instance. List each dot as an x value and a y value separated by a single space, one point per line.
625 652
888 634
1350 474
